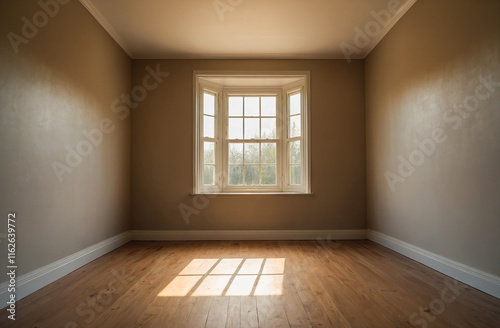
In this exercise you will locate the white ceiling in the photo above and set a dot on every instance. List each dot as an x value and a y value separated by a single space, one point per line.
242 28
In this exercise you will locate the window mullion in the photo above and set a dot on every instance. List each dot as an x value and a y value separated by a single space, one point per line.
222 141
284 141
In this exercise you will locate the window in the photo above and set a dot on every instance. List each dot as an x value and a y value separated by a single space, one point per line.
251 133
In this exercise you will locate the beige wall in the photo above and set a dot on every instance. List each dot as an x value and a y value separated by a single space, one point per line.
162 153
417 82
62 81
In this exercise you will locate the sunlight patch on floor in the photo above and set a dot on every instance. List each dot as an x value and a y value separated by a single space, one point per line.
228 277
212 286
180 286
242 285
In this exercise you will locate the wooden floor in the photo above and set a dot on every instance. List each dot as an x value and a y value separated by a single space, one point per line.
255 284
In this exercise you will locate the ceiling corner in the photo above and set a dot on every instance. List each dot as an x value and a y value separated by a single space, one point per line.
385 29
107 26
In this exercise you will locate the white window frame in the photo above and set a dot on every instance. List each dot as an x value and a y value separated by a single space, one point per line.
199 146
204 82
291 90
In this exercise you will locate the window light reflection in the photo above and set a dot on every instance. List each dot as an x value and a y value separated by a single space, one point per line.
198 266
180 286
212 286
228 277
242 285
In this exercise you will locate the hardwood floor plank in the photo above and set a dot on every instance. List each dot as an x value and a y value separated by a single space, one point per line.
269 314
234 312
315 313
199 313
249 318
217 316
294 309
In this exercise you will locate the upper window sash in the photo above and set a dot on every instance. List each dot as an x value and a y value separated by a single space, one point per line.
251 92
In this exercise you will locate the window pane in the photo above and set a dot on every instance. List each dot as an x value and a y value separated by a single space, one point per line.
235 175
251 153
235 128
208 126
251 175
268 106
252 128
268 174
235 106
251 106
295 171
295 152
208 104
295 126
268 153
209 152
295 104
235 153
268 128
208 175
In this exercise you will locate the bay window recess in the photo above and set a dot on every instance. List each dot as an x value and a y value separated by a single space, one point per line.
251 133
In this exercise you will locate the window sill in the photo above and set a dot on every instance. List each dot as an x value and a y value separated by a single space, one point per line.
252 193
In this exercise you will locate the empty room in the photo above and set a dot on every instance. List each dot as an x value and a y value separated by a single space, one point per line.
250 163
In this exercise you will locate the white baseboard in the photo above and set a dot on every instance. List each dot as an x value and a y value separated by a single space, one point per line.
248 234
39 278
483 281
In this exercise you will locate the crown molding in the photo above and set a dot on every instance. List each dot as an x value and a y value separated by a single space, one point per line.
385 29
107 26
